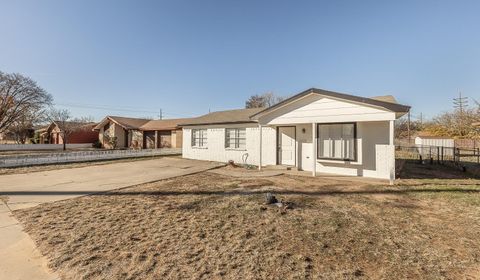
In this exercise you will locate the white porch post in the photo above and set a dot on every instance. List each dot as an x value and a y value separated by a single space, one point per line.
260 148
392 147
392 128
314 149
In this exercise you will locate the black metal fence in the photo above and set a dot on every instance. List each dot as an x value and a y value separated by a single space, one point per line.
436 154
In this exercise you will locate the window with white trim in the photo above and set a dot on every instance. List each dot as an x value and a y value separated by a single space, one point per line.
235 138
199 138
336 141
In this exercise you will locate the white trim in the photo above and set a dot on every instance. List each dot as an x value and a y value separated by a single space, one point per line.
261 114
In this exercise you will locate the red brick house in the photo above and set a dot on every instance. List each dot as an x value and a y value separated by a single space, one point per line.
83 135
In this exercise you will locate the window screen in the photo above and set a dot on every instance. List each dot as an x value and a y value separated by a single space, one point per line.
336 141
199 138
235 138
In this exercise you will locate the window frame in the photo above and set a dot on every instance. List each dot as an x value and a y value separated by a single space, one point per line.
355 145
237 138
200 138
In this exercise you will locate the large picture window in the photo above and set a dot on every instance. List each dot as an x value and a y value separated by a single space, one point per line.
199 138
337 141
235 138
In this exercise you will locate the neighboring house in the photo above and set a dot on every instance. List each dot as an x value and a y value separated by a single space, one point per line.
82 135
351 135
43 137
140 133
7 137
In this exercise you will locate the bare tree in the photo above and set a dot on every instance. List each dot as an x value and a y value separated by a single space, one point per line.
19 96
264 100
22 129
402 126
68 125
458 124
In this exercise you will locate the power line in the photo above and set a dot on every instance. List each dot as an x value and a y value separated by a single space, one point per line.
105 108
125 109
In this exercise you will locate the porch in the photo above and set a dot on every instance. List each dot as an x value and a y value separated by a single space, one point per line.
347 148
156 139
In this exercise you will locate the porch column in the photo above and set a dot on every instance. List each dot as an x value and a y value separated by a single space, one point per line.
156 140
392 147
314 149
392 128
260 148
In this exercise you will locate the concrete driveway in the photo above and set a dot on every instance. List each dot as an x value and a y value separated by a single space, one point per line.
20 258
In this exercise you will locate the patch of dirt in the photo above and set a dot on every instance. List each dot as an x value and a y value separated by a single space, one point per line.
209 226
411 169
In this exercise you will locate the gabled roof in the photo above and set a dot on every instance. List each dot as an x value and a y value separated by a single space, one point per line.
141 124
385 102
225 117
127 123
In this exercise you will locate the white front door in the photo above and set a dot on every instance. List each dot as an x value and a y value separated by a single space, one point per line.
286 145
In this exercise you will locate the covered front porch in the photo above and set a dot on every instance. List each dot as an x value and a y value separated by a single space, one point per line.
344 148
151 139
324 131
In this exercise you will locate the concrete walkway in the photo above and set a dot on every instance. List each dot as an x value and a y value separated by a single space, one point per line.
19 258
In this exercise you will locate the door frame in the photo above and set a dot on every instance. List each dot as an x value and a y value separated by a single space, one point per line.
277 145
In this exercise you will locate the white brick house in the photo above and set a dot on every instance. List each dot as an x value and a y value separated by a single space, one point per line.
352 135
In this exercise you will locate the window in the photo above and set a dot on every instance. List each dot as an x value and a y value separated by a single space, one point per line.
199 138
337 141
235 138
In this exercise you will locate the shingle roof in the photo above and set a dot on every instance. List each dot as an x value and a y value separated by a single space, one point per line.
129 123
167 124
225 117
142 124
385 98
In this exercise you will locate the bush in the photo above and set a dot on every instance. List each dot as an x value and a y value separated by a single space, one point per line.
97 144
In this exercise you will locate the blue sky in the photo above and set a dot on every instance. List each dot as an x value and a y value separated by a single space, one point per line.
134 58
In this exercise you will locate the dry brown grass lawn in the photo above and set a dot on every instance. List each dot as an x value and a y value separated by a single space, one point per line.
208 226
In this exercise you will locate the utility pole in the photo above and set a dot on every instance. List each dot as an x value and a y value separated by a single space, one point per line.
160 115
460 103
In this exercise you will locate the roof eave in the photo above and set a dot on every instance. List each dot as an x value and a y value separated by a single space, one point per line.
158 129
216 123
397 108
